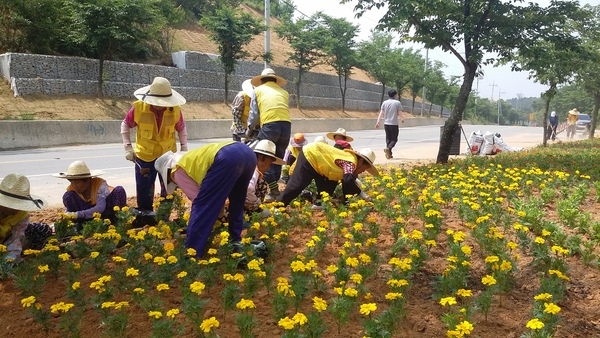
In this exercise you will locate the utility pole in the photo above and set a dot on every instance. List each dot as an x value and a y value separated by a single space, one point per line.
476 95
423 96
493 85
499 104
267 30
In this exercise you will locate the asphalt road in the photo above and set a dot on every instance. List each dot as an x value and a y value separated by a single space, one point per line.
415 143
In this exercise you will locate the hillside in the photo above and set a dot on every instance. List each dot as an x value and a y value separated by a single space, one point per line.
72 107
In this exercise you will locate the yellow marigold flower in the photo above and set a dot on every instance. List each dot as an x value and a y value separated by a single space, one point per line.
192 252
138 290
245 304
332 268
207 325
162 287
2 248
430 242
172 313
120 305
464 293
148 256
506 265
448 301
492 259
339 291
63 256
27 302
155 314
319 304
366 309
168 247
171 259
61 307
287 323
254 264
182 274
238 277
414 253
300 319
488 280
464 327
534 324
350 292
262 274
107 305
75 285
159 260
551 308
43 268
512 245
356 278
131 272
540 240
396 283
197 287
393 295
352 262
213 260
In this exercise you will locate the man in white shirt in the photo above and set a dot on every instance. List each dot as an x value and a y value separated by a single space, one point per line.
391 111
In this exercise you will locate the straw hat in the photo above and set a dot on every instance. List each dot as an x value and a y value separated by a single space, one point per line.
321 139
268 72
14 194
248 88
368 155
160 94
574 111
266 147
298 140
78 170
340 131
165 162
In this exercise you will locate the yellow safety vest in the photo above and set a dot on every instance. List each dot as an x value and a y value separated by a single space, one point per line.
246 111
151 142
272 102
196 162
322 158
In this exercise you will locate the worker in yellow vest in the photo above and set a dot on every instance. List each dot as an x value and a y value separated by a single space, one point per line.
157 116
291 154
328 166
240 110
269 110
208 176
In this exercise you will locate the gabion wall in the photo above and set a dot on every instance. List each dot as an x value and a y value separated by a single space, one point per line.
197 76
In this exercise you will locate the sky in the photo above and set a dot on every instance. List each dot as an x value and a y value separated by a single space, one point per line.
496 81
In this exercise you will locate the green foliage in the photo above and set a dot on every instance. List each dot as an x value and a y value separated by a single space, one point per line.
231 30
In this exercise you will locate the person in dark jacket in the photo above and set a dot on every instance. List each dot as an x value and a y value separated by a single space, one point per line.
552 124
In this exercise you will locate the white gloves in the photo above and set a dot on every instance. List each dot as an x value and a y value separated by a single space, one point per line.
71 214
183 147
129 153
365 196
265 213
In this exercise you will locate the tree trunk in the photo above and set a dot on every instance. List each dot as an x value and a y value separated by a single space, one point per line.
412 109
383 94
594 114
456 116
298 87
226 87
545 122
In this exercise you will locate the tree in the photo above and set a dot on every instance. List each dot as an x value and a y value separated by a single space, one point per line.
124 30
231 30
375 57
404 63
305 36
340 46
480 26
435 83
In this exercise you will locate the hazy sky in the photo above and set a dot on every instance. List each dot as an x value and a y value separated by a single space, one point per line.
495 79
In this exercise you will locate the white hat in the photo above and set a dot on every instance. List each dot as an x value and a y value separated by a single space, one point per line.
368 155
248 88
14 194
266 147
341 132
553 113
165 162
78 170
268 72
321 139
160 94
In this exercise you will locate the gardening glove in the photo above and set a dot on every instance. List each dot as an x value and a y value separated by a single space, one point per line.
183 147
365 196
71 215
265 213
129 153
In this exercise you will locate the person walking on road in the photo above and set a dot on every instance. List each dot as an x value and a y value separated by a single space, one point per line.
572 118
157 116
269 109
391 111
552 125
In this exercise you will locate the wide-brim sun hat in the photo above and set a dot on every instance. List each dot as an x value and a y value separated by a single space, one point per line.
268 148
368 155
298 140
321 139
165 162
160 94
340 132
14 194
78 170
574 111
248 88
268 72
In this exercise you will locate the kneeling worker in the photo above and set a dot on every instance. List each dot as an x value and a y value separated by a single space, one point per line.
327 166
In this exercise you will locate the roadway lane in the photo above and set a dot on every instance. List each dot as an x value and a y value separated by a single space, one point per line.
415 143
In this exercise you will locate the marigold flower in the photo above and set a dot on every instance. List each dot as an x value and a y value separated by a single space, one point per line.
464 327
448 301
138 290
162 287
27 302
197 287
488 280
393 295
182 274
155 314
208 324
319 304
299 318
131 272
245 304
75 285
366 309
351 292
173 312
551 308
535 324
61 307
464 293
43 268
287 323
